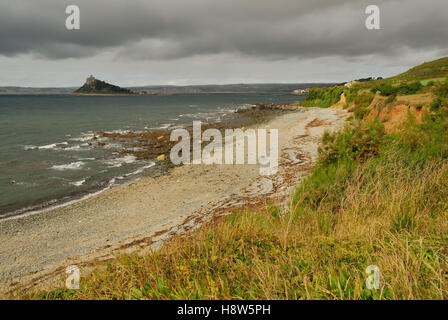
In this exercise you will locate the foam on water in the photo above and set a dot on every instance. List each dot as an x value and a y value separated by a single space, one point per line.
71 166
118 162
84 137
138 171
78 183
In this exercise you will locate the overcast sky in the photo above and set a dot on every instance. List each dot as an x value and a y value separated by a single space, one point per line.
181 42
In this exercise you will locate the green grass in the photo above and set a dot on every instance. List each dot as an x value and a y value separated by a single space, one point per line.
428 70
426 82
323 97
388 88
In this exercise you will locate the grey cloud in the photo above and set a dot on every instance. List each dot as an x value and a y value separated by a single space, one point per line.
175 29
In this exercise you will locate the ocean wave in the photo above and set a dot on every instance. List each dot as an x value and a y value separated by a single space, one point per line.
152 164
53 145
71 166
78 183
73 148
138 171
118 162
30 147
78 147
84 137
45 147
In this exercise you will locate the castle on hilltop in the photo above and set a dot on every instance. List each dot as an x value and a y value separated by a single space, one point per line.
90 80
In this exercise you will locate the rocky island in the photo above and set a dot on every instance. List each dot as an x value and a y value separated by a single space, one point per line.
93 86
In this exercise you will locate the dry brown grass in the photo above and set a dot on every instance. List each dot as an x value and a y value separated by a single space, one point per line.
313 253
421 99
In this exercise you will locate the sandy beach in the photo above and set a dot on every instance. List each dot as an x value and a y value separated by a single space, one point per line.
142 215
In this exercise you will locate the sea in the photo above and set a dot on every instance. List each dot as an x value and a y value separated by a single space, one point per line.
45 155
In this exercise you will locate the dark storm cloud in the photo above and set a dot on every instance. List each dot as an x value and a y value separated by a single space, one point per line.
171 29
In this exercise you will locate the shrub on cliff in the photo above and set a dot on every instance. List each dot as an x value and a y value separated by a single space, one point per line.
435 104
359 141
361 112
441 89
386 88
364 99
323 97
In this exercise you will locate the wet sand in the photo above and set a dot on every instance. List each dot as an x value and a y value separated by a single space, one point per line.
142 215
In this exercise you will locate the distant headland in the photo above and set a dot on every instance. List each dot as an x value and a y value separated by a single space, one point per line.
95 87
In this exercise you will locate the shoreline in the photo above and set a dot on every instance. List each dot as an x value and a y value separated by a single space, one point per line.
55 205
144 214
253 116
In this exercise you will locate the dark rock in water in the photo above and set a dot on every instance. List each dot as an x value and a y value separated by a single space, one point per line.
95 86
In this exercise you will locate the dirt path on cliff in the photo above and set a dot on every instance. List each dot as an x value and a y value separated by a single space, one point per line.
144 214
